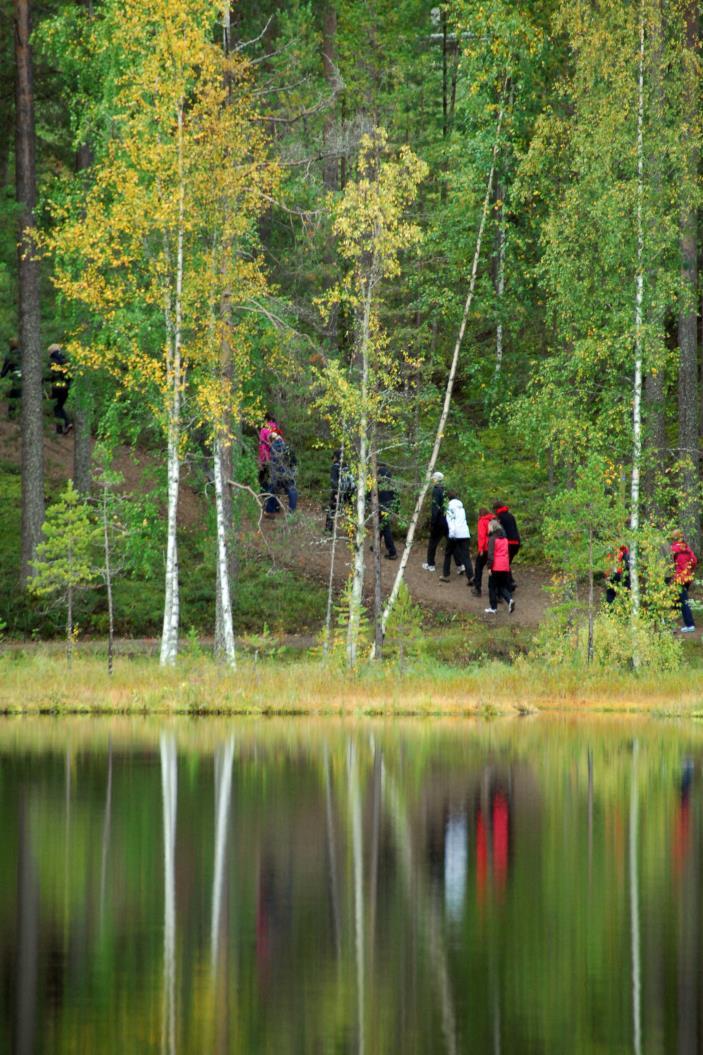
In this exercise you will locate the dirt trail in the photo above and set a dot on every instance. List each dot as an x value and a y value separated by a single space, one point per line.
301 543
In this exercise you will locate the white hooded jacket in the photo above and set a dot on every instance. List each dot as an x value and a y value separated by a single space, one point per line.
456 520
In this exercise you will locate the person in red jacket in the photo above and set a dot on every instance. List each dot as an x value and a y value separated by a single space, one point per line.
509 526
685 562
484 519
499 565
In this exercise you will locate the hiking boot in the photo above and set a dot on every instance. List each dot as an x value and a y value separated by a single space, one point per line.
461 569
490 611
475 591
511 606
444 578
391 556
429 567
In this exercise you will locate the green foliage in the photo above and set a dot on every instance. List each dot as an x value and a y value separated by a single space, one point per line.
66 559
404 639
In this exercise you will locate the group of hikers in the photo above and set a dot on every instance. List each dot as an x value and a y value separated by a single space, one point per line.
684 562
498 539
57 379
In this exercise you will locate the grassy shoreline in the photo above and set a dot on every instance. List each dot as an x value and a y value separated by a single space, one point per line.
40 683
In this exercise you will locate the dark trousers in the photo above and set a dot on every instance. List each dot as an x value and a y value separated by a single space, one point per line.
387 535
513 551
499 586
481 560
459 549
435 539
686 612
282 487
60 395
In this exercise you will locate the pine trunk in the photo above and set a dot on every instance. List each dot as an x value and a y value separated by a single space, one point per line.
29 307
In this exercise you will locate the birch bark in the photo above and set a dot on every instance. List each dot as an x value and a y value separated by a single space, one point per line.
357 589
222 560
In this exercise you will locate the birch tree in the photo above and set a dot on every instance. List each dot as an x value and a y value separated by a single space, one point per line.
372 230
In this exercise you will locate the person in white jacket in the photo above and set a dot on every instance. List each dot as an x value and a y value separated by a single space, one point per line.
457 541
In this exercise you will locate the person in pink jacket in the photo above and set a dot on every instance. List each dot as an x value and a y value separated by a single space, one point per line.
270 427
499 568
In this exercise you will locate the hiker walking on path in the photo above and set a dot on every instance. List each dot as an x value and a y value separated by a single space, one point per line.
387 501
342 484
509 525
484 519
685 562
438 521
266 432
60 385
620 575
499 565
458 539
283 469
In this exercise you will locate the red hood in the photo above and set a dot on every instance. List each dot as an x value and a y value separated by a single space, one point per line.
503 509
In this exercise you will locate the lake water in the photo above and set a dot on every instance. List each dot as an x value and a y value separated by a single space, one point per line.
527 886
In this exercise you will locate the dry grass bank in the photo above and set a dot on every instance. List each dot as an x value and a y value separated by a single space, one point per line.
41 684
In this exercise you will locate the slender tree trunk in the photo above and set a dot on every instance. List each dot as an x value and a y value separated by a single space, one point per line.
169 791
107 827
635 941
330 165
449 386
377 589
29 309
500 281
357 589
169 637
223 795
108 582
82 416
69 627
327 639
688 319
27 923
355 811
222 561
639 355
591 605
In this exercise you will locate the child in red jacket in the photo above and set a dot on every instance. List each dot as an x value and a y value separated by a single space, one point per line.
499 564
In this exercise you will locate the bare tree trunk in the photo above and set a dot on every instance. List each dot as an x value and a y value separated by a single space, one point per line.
639 355
29 308
69 627
500 281
82 417
327 638
376 528
655 437
108 581
688 319
330 165
591 606
449 386
635 941
224 760
169 791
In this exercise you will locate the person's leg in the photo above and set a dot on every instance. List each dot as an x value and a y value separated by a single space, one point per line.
292 498
688 620
492 595
432 548
481 559
331 509
448 551
387 536
466 559
504 588
60 414
512 554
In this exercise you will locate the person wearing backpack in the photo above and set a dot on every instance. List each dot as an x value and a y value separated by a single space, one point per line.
283 469
438 521
458 536
499 566
387 503
342 486
685 562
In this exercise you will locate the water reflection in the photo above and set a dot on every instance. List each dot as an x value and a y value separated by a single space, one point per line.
293 888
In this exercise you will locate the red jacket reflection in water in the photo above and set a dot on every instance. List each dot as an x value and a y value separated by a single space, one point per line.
500 824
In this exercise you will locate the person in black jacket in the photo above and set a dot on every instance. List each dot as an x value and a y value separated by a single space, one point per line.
387 500
60 384
438 520
12 368
342 483
509 525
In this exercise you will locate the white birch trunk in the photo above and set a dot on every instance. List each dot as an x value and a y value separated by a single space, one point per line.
358 861
223 787
635 941
108 582
222 561
357 590
169 636
639 355
169 789
448 390
500 290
